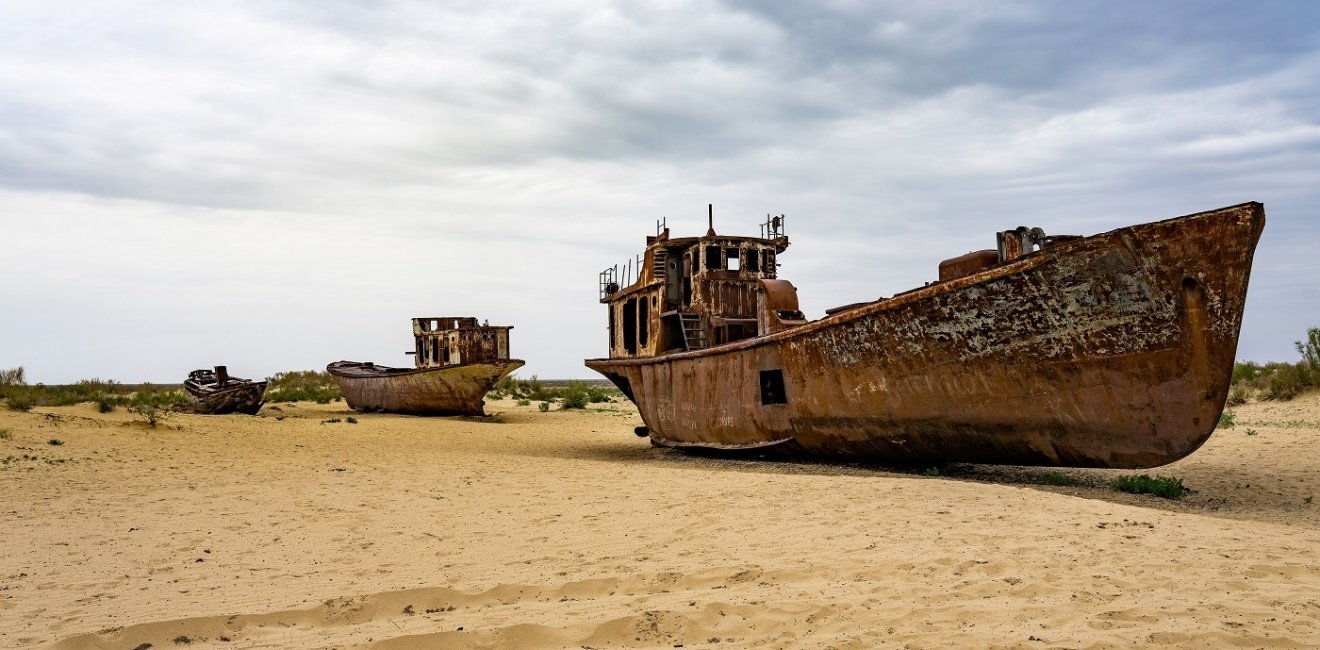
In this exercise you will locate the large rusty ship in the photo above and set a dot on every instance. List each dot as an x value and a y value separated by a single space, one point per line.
1112 350
457 361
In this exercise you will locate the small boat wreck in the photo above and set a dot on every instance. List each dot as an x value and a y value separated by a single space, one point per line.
1114 350
214 392
458 361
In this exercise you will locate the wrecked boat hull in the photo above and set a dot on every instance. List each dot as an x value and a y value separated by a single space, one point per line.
1114 350
448 390
212 395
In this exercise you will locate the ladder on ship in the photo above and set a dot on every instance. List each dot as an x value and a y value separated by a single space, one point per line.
658 264
694 335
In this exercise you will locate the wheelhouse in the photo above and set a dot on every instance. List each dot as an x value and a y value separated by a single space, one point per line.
696 292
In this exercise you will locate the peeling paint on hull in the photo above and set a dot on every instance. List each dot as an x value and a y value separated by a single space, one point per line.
448 390
1114 350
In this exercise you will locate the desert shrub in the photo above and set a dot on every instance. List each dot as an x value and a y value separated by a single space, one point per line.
1309 349
524 402
544 406
1057 478
11 377
597 395
1285 381
5 434
1161 486
1238 395
152 404
530 389
1245 371
1227 419
575 396
535 390
86 390
302 386
21 398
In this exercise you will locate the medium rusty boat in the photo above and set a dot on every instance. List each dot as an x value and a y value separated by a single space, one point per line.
458 360
214 392
1112 350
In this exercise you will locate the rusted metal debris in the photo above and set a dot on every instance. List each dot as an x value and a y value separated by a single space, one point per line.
1113 350
214 392
457 361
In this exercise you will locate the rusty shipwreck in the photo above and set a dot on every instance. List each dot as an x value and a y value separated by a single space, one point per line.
457 361
214 392
1112 350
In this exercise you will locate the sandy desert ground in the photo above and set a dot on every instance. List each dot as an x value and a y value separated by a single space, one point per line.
562 529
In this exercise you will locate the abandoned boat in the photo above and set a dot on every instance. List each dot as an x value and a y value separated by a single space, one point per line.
214 392
457 362
1113 350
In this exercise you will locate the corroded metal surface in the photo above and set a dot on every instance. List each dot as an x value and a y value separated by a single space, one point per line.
451 390
457 361
215 392
1114 350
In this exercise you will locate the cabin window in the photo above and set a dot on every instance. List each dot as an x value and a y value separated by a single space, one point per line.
446 349
772 387
753 261
435 351
731 257
643 321
769 265
630 326
713 256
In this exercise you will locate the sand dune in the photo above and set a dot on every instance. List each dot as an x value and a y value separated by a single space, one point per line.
562 529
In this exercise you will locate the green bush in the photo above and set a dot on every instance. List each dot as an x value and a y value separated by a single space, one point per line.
1309 349
1245 371
1057 478
20 399
1227 418
302 386
575 396
11 377
1238 395
544 406
23 397
153 404
1285 381
1160 486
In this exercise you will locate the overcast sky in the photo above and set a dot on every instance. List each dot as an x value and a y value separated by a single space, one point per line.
274 185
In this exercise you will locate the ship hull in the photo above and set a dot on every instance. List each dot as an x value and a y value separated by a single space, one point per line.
245 398
1114 350
449 390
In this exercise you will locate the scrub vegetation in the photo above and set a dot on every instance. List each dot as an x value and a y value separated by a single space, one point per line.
302 386
1276 380
569 394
